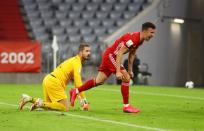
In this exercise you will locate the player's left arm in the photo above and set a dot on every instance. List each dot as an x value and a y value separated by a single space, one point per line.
78 80
131 58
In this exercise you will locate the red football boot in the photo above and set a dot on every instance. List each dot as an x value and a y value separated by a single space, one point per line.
130 109
73 95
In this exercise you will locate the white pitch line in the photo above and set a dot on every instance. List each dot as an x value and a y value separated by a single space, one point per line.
155 94
98 119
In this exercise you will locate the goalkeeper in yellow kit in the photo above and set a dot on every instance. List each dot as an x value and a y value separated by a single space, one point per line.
54 84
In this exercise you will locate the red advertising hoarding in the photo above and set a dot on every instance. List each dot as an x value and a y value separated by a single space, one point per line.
20 57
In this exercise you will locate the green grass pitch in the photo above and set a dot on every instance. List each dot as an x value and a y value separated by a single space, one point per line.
162 108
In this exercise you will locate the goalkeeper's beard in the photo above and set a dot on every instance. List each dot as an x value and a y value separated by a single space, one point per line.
87 57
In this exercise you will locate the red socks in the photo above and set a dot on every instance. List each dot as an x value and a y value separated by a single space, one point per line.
124 89
125 92
89 84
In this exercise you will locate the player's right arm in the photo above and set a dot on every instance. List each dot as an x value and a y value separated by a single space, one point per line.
119 57
131 58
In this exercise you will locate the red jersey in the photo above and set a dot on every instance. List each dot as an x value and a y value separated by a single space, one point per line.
108 64
130 40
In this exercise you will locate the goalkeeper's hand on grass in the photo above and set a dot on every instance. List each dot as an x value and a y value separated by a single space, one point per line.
84 104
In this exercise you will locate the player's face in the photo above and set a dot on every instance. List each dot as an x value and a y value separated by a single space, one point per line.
149 33
86 53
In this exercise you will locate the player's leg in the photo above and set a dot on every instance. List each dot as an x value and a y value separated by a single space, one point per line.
89 84
55 97
125 93
64 102
125 86
50 101
61 105
26 98
100 79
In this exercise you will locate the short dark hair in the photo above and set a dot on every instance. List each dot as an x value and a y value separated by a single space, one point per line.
147 25
82 46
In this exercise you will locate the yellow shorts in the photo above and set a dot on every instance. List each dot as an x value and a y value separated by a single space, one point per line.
53 89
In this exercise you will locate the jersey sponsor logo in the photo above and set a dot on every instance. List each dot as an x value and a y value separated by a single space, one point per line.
129 43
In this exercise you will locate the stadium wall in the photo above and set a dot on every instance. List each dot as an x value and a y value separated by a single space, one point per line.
195 42
21 78
174 55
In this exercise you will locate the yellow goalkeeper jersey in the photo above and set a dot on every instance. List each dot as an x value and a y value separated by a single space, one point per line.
70 69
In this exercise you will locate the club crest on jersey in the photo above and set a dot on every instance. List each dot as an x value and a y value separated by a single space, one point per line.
129 43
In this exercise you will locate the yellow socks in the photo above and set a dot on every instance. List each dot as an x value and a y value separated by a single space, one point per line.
54 106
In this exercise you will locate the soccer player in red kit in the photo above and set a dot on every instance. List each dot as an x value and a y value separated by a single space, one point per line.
111 63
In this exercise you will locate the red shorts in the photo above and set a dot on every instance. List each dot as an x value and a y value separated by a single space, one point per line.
108 64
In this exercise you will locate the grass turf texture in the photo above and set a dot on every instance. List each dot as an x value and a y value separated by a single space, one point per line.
161 109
